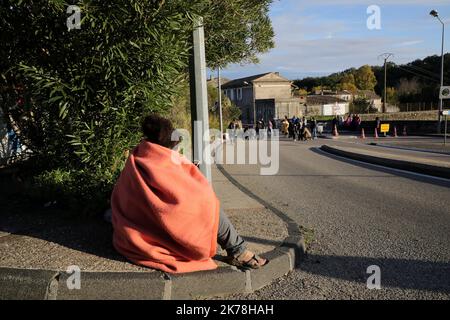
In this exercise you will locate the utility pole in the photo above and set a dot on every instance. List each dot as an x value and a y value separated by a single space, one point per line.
386 57
199 99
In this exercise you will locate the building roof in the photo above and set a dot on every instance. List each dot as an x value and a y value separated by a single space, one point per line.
344 92
333 93
243 82
368 94
321 100
213 81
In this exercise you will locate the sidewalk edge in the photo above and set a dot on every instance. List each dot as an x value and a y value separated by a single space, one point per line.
48 284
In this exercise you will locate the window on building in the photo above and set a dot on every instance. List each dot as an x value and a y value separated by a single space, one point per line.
239 94
231 96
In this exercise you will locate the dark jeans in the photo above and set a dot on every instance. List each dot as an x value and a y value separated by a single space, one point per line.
228 238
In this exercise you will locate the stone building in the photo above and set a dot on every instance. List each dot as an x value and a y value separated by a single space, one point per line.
318 105
269 95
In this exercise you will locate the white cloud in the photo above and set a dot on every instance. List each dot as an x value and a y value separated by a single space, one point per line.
314 42
409 43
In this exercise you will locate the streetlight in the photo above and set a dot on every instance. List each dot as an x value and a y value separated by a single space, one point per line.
435 14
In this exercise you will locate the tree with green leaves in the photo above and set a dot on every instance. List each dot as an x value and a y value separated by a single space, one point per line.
237 31
392 96
348 83
76 97
362 105
365 78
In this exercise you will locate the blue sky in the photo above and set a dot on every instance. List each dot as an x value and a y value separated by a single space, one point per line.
319 37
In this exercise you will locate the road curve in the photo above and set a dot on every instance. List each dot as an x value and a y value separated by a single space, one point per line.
361 216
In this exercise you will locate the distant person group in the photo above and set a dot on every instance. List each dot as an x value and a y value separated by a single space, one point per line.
351 122
299 129
236 126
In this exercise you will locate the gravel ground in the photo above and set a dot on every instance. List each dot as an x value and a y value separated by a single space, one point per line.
48 241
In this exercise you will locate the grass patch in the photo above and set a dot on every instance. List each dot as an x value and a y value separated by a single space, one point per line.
308 235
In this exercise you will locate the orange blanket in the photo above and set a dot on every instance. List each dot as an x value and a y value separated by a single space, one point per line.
165 213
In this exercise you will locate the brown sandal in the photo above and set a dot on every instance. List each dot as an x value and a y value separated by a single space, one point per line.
254 263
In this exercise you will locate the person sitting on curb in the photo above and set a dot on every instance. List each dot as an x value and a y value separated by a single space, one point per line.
165 213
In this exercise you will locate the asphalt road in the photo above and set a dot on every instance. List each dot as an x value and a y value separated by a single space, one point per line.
361 216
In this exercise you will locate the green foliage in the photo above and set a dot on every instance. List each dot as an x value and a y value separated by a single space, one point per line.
426 73
86 90
348 83
76 98
65 188
229 110
237 31
362 105
332 82
180 113
301 93
392 96
365 78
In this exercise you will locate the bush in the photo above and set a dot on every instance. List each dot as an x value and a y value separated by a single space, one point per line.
362 105
64 189
76 98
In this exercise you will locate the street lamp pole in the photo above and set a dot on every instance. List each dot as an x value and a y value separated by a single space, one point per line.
435 14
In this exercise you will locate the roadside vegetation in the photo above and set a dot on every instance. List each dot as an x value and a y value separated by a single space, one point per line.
76 98
416 82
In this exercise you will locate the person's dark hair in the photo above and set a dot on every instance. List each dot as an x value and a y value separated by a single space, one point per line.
158 130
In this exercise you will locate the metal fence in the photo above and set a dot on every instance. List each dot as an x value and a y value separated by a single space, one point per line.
422 106
11 149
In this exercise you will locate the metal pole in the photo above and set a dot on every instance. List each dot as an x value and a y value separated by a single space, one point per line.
445 133
385 85
386 57
254 106
441 103
199 99
219 93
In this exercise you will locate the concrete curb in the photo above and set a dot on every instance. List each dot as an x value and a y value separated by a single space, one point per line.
436 171
341 137
380 145
24 284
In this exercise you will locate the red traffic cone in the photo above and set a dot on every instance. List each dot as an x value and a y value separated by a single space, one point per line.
376 133
363 134
335 131
405 133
